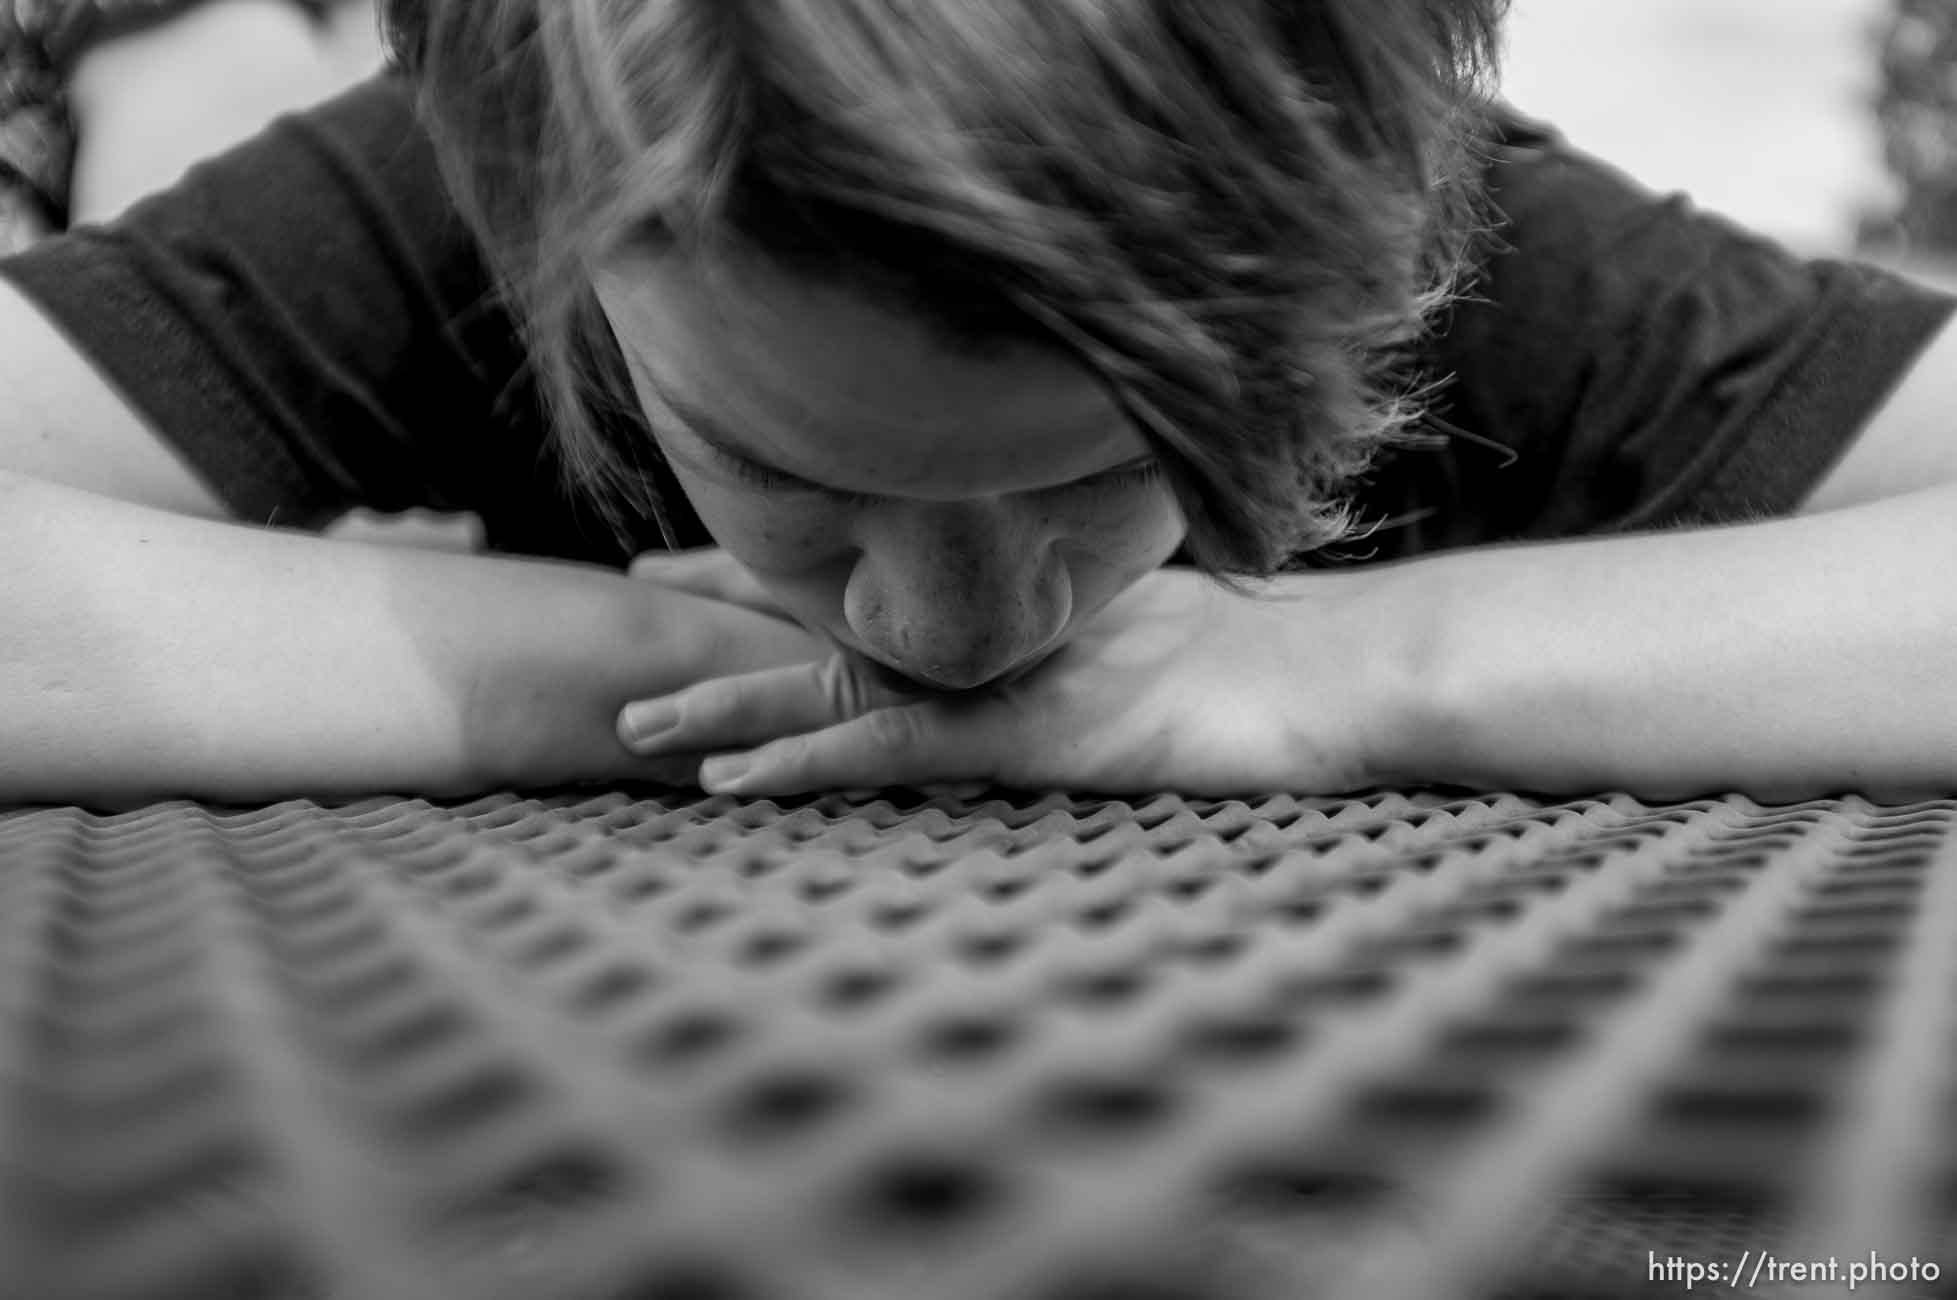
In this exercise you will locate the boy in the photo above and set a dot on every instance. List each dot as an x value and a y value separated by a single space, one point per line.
949 325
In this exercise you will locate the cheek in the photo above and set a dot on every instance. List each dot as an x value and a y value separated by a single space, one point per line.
800 555
1114 544
1125 535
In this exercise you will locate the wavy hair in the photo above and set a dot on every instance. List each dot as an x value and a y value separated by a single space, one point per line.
1236 213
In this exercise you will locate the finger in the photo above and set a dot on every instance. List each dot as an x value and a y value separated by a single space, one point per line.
751 708
675 566
906 744
709 572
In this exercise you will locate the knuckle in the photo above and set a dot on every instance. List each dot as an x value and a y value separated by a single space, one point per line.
742 700
842 688
719 702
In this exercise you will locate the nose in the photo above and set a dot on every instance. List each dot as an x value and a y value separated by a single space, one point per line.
953 595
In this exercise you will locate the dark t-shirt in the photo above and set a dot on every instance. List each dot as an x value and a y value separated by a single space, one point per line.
309 323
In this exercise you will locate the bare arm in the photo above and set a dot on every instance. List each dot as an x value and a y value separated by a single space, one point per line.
1789 656
1785 658
146 654
146 651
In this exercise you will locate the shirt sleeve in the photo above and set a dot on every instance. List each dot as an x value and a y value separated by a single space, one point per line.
307 321
1622 361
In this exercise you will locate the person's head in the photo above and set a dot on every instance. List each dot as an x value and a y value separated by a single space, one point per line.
990 304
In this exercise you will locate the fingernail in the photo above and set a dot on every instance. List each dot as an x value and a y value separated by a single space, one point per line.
644 722
725 770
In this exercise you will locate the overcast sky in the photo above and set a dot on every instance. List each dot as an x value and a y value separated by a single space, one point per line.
1755 107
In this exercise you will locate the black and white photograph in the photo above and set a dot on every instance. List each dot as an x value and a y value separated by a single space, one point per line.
978 649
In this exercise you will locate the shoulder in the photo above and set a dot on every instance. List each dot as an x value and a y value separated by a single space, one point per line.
1620 358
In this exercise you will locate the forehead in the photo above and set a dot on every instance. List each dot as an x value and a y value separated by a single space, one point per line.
846 390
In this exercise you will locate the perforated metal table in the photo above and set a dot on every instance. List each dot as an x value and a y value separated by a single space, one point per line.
652 1046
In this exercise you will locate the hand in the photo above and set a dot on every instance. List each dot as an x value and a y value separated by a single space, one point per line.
548 716
1177 684
710 572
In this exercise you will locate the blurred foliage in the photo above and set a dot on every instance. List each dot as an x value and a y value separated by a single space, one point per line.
1916 106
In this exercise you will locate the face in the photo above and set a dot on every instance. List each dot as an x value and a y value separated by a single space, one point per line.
950 515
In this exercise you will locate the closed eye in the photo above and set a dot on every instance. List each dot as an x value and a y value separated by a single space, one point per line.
776 480
1134 474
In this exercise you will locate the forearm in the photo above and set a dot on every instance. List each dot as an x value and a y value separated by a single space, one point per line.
145 654
1783 658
